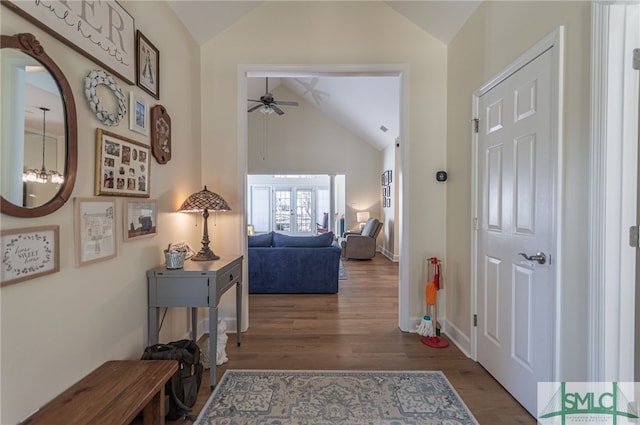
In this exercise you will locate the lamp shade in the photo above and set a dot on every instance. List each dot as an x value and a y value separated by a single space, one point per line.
204 200
362 216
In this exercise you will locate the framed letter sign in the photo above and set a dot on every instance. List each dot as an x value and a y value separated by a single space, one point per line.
28 253
102 30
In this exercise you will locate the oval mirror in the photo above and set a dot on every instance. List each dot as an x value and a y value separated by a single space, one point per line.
39 135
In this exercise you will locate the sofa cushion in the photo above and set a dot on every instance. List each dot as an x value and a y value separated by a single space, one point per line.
262 240
320 241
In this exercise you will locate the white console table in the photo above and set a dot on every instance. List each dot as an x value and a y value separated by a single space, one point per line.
198 284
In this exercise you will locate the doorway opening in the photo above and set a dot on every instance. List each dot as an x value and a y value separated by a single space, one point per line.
399 72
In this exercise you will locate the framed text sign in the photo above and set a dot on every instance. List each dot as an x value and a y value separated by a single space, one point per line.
28 253
101 30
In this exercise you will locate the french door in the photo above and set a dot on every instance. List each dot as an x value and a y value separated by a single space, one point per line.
294 210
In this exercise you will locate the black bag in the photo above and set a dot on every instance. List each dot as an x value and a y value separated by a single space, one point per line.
181 391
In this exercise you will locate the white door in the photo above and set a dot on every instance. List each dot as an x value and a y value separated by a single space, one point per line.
515 296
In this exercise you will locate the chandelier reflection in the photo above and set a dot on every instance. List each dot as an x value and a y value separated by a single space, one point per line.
42 175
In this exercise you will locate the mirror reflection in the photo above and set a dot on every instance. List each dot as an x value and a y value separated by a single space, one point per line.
33 131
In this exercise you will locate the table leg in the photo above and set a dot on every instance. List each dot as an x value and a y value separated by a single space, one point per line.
238 311
194 323
213 344
153 326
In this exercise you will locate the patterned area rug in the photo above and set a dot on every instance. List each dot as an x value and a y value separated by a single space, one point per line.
284 397
342 273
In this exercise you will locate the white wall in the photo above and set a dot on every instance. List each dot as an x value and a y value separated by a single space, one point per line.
57 328
389 235
329 33
306 141
495 36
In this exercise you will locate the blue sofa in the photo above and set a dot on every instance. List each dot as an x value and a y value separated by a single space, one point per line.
281 264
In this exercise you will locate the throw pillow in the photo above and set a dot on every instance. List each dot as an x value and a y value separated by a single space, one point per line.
320 241
263 240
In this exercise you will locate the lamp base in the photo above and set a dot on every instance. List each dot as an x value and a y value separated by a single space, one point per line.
205 254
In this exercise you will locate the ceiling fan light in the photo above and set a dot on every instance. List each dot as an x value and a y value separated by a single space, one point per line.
266 109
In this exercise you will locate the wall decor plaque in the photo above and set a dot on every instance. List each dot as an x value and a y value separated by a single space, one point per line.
160 134
28 253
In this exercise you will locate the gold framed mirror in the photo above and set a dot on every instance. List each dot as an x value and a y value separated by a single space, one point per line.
39 138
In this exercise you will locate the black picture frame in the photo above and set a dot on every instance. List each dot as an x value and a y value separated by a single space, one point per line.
147 66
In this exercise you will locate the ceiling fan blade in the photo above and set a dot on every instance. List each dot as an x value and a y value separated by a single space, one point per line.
278 110
286 103
254 100
253 108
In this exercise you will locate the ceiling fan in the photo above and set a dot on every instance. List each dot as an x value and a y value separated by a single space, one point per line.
268 104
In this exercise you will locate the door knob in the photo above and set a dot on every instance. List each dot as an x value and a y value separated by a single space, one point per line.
539 257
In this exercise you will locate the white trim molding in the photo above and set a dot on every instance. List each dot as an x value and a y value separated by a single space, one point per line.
612 189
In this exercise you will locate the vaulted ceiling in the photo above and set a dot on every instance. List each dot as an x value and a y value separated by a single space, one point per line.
352 101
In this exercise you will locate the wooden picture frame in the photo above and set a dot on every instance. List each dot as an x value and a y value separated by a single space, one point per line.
147 66
95 230
138 114
160 134
123 166
140 218
28 253
113 50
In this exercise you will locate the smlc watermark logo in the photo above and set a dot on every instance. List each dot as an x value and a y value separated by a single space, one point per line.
600 403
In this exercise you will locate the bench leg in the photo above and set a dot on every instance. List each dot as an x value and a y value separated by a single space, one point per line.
153 413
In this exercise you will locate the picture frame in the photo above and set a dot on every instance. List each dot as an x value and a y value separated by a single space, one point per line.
123 166
95 224
138 114
28 253
147 66
140 218
160 134
113 50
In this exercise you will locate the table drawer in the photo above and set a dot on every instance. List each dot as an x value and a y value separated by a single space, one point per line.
180 291
227 278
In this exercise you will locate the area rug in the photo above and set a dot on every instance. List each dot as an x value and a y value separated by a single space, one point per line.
285 397
342 273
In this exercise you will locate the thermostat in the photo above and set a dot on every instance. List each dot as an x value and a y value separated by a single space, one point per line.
441 176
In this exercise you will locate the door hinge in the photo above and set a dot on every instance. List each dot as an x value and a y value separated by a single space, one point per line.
634 237
476 125
475 320
475 223
636 59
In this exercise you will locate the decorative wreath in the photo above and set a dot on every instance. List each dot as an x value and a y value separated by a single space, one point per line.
93 80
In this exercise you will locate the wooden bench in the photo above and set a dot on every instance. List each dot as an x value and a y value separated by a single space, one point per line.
115 393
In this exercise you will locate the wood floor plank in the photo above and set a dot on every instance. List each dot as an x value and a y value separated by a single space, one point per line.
357 329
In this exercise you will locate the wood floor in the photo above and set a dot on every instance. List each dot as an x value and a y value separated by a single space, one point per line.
357 329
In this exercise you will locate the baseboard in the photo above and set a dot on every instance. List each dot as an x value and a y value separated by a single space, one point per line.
455 335
389 254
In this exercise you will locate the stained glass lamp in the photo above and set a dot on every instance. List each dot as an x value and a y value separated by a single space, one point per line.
205 201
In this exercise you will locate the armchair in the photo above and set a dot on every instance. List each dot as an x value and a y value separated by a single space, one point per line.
361 246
